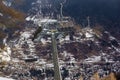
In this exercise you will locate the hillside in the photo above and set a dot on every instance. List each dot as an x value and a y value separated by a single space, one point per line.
86 32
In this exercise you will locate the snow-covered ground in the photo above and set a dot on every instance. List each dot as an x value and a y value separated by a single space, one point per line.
3 78
5 54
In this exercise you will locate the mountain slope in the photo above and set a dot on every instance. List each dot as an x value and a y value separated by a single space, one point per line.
10 19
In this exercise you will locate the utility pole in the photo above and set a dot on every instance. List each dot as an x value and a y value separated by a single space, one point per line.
57 74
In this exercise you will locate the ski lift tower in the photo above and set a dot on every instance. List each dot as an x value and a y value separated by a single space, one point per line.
46 30
61 8
53 32
88 21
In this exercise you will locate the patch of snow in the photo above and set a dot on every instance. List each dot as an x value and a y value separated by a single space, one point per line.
43 41
1 14
5 57
61 40
60 36
43 21
15 60
48 21
76 38
41 61
6 52
26 35
7 3
67 38
112 38
3 78
48 32
38 1
28 18
9 50
93 59
5 41
45 29
117 49
88 35
106 32
49 65
72 60
103 54
65 53
67 78
33 18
